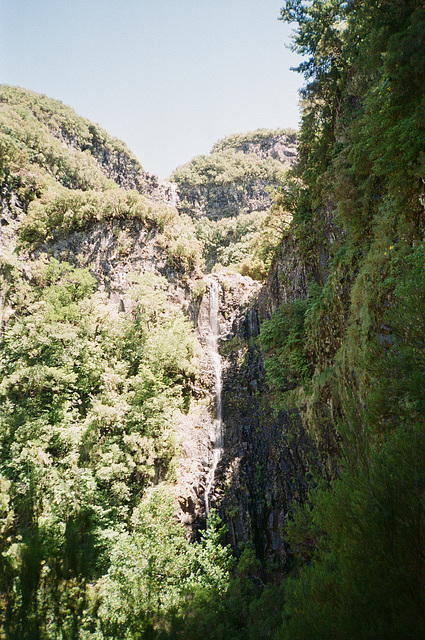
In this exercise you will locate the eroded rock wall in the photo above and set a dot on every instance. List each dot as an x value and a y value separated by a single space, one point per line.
239 175
216 202
267 454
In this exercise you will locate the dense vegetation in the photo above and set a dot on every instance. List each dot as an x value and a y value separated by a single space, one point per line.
229 193
232 161
89 546
87 412
349 358
359 544
259 140
89 397
82 162
65 174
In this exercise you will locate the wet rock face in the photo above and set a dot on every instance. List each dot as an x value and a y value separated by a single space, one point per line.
195 431
264 466
268 456
264 463
194 460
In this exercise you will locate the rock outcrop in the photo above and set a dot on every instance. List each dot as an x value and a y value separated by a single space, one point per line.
267 453
121 167
238 176
286 282
235 293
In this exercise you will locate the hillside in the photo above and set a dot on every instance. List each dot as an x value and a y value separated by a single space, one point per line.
229 194
98 367
238 175
190 452
107 383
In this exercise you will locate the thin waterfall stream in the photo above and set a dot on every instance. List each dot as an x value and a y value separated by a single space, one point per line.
217 425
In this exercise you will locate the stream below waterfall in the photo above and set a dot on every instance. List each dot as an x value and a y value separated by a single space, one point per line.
216 434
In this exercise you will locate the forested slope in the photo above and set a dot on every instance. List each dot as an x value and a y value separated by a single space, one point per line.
354 348
97 365
229 193
342 331
323 475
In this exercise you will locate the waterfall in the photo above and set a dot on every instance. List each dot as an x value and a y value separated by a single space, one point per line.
217 425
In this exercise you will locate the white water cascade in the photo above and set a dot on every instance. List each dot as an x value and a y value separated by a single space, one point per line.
216 434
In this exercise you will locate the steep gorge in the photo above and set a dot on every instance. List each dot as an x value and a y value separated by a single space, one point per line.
118 250
145 375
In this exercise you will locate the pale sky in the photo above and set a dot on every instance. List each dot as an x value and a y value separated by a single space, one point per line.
169 77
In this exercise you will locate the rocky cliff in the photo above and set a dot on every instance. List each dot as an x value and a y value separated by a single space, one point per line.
135 387
238 176
268 460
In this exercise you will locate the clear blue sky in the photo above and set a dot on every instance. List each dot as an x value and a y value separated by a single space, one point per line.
169 77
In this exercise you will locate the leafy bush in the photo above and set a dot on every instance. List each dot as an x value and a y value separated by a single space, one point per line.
228 241
227 168
86 428
283 339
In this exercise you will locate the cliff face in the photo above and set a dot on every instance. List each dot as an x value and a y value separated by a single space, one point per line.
266 454
268 458
119 166
237 177
230 200
287 280
111 402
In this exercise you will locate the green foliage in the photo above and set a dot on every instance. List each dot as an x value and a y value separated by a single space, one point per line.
229 241
261 138
366 579
20 126
247 610
57 167
227 167
74 210
86 425
275 224
182 244
222 189
29 108
155 570
248 242
283 339
88 545
358 545
233 160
